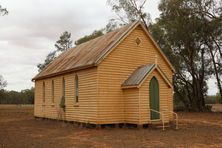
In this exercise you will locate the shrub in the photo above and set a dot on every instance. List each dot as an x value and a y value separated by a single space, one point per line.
179 106
62 103
208 108
212 100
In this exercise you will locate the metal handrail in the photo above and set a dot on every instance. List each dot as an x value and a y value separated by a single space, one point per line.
176 119
162 117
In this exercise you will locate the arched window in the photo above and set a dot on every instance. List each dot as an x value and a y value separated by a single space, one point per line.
53 91
43 92
63 87
76 89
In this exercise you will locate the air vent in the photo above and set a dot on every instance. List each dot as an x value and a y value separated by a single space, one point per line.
138 41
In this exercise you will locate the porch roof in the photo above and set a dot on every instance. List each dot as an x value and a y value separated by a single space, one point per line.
141 73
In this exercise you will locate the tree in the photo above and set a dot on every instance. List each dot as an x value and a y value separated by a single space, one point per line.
3 11
3 83
49 58
210 12
61 45
187 28
86 38
27 96
14 97
128 11
64 42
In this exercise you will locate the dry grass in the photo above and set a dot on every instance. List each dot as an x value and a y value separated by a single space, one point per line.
16 106
216 107
18 128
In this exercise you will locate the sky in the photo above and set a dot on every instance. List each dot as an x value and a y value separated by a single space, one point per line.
32 27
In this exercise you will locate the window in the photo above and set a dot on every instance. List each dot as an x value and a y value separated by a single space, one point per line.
53 91
63 87
76 89
43 92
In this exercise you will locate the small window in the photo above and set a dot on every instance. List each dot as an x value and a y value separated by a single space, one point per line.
63 87
43 92
76 89
53 91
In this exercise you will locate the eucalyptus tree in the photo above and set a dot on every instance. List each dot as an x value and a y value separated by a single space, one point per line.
128 11
3 82
61 45
191 31
86 38
3 11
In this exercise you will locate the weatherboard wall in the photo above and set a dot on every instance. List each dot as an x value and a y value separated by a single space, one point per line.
117 67
83 111
131 105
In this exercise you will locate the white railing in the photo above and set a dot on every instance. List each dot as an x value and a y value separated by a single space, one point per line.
176 119
162 117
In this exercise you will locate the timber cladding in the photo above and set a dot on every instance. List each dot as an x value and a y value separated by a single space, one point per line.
102 100
83 111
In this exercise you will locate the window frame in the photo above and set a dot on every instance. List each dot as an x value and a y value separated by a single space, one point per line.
63 87
53 91
43 92
76 89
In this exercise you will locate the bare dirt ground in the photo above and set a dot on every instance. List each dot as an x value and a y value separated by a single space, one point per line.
18 128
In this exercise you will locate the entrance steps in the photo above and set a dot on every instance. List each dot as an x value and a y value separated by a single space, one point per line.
158 124
161 123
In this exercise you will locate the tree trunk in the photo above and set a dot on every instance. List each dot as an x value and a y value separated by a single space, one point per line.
216 72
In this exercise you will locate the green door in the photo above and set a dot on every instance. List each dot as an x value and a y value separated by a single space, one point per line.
154 99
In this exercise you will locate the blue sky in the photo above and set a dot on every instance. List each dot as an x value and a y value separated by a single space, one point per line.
30 30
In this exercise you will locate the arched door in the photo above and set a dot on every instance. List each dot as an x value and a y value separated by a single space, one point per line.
154 98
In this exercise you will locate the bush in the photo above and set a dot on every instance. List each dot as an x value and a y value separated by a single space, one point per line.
208 108
179 107
62 103
212 100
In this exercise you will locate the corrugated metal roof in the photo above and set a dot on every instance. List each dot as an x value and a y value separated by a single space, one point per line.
138 75
84 55
91 53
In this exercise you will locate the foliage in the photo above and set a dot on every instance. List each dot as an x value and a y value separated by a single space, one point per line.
13 97
62 103
61 45
86 38
207 108
182 29
212 99
64 42
128 11
49 58
3 11
3 82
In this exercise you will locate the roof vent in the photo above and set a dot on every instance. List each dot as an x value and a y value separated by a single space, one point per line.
138 41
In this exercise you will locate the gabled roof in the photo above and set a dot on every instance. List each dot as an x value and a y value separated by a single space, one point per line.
136 79
90 53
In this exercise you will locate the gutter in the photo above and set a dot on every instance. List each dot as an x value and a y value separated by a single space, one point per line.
64 72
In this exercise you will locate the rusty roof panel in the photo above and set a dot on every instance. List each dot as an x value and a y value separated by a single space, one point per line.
84 54
138 75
